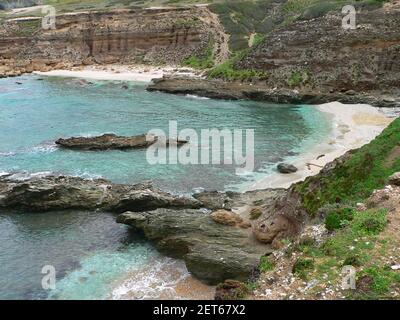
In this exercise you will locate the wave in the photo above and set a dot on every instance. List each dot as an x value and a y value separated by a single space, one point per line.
44 148
24 176
6 154
87 175
192 96
163 278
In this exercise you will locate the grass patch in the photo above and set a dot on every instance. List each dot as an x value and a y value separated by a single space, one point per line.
266 264
302 266
357 244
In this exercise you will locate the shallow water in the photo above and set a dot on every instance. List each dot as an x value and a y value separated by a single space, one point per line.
91 253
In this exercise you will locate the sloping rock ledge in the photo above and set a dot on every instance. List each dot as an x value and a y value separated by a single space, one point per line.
180 227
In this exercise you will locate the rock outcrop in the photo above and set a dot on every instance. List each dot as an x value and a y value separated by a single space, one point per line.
319 54
218 89
50 193
112 141
213 252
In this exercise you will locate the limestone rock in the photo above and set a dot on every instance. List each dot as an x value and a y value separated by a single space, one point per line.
275 228
227 218
48 193
212 252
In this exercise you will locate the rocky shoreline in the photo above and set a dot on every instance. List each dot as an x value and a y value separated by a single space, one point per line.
219 89
212 247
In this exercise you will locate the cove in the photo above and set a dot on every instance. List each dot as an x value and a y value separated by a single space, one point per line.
91 253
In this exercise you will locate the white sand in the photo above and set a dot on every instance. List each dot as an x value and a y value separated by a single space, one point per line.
137 73
353 126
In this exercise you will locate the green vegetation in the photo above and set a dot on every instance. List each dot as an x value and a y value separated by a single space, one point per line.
266 264
28 27
353 180
369 222
360 244
338 218
227 70
298 78
302 266
204 60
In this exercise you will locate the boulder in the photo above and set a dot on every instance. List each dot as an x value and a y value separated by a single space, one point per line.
213 252
229 218
286 168
275 228
394 179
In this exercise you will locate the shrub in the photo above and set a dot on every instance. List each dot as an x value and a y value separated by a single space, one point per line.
338 218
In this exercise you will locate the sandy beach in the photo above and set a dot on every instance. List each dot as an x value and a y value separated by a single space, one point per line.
353 126
136 73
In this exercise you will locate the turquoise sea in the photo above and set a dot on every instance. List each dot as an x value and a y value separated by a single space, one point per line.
90 252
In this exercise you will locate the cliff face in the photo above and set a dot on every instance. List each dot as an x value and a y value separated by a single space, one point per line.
320 54
167 35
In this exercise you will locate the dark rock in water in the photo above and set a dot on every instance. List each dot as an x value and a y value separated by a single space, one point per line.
60 192
125 86
231 290
286 168
111 141
212 252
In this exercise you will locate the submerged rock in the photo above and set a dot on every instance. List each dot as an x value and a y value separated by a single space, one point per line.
110 141
212 252
47 193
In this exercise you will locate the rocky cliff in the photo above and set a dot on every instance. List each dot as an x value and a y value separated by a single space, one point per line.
319 54
156 36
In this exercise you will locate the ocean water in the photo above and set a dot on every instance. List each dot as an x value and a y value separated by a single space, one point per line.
90 252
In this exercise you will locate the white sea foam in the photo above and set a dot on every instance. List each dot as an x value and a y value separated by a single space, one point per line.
45 148
192 96
6 154
87 175
157 280
24 176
